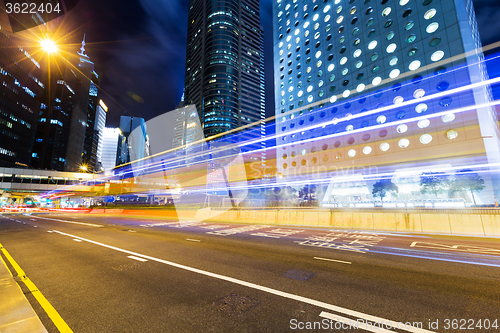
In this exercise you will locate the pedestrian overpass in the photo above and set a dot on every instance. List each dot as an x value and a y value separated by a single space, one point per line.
17 184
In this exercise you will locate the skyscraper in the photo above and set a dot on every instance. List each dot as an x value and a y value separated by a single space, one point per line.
224 66
134 141
109 138
21 88
65 113
366 85
100 124
94 111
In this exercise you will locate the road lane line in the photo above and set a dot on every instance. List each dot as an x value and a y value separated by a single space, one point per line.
72 222
193 240
137 258
326 259
354 324
44 303
276 292
77 240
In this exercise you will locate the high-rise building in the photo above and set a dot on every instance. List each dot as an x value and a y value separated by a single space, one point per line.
64 115
21 88
94 112
99 127
134 141
224 67
108 143
381 87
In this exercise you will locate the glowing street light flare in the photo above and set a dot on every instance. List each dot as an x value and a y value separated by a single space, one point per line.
49 46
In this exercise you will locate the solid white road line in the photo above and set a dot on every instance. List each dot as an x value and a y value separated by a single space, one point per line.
326 259
255 286
353 324
72 222
193 240
77 240
137 258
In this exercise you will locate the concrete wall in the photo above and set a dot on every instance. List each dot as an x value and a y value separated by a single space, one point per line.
443 223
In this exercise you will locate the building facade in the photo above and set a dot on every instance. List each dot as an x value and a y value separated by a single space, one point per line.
224 67
134 139
109 148
100 125
64 116
21 90
94 114
367 89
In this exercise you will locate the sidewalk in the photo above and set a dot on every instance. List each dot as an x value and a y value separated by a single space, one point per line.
16 313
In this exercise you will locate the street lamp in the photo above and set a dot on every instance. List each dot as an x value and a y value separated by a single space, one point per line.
83 168
49 46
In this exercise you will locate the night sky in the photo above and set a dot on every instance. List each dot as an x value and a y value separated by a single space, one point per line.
139 49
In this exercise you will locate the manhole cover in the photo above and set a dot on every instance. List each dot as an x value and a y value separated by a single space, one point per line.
235 305
297 275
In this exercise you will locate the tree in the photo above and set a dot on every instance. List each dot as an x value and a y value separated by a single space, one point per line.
307 192
433 182
467 180
382 187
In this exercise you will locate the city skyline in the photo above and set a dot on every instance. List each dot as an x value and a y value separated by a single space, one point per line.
125 71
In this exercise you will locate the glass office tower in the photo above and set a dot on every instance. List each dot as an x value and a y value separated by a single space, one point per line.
65 112
380 88
21 88
224 67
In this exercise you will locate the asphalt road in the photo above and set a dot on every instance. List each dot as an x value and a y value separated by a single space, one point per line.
118 274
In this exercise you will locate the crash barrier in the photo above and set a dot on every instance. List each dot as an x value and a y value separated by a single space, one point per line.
479 222
425 222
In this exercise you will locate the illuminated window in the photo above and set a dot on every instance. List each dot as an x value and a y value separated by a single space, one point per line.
448 118
372 45
409 25
360 87
398 100
391 48
430 14
422 107
394 73
381 119
425 139
403 2
384 146
367 150
451 134
402 128
419 93
358 64
340 19
343 60
357 53
438 55
403 143
423 123
386 11
351 153
393 61
390 35
432 27
346 93
414 65
376 81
